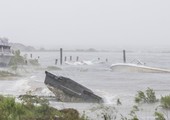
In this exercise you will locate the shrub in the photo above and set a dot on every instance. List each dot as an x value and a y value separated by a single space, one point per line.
148 97
159 116
165 102
33 108
151 98
140 97
105 112
17 59
69 114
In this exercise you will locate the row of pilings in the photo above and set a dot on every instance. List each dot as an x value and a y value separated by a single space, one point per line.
77 58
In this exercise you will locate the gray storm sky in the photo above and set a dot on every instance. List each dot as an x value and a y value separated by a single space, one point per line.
86 23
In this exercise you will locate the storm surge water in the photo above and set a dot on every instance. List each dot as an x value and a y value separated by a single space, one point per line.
97 75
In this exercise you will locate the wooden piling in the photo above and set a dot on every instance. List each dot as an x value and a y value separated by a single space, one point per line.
77 59
70 58
56 60
124 56
65 58
61 56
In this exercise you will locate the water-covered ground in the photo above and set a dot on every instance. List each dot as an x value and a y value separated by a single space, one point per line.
97 76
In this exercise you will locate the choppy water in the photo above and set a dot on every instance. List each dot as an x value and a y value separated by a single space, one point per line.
97 76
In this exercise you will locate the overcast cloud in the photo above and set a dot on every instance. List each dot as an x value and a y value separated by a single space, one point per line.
86 23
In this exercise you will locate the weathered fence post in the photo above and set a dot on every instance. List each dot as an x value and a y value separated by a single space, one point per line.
61 56
124 56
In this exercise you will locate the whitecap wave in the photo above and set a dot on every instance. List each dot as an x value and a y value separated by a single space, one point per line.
85 62
21 86
107 97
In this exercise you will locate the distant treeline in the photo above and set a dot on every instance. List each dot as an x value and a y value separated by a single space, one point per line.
22 47
76 50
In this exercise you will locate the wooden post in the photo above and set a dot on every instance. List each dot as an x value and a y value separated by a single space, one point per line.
124 56
31 55
26 62
65 58
77 59
56 60
61 56
106 60
70 58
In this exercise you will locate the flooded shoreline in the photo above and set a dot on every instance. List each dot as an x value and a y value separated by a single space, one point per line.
98 77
